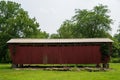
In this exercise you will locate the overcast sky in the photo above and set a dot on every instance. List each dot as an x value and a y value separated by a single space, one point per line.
51 13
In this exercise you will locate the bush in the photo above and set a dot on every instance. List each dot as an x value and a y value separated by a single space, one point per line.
115 60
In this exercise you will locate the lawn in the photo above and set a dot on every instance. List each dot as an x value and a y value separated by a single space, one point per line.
6 73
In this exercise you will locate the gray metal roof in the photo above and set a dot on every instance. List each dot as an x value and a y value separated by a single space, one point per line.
83 40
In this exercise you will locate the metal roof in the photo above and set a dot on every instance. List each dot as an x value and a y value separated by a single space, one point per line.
82 40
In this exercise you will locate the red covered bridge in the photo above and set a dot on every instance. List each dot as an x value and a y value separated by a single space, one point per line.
58 51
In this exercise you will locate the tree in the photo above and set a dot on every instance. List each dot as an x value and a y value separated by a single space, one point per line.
117 36
87 24
15 23
115 48
66 29
54 36
41 35
116 44
93 23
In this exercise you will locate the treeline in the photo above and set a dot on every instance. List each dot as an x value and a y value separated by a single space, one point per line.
16 23
95 23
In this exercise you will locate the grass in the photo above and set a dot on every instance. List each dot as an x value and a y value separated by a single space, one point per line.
6 73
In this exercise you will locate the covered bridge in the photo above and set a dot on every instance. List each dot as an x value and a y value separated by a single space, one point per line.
59 51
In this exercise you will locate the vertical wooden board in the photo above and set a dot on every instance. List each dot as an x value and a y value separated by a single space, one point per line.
32 53
56 54
98 54
12 55
68 54
17 58
50 55
60 60
92 54
44 56
18 55
63 53
78 51
79 54
39 54
27 54
87 56
24 55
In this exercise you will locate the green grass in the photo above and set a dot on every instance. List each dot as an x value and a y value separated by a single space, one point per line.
6 73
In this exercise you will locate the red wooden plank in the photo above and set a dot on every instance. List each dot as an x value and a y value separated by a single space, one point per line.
56 54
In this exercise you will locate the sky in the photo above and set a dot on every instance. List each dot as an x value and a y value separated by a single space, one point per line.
50 14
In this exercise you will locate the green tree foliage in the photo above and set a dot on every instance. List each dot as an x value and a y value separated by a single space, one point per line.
87 24
16 23
40 34
116 44
117 36
115 48
66 29
54 36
